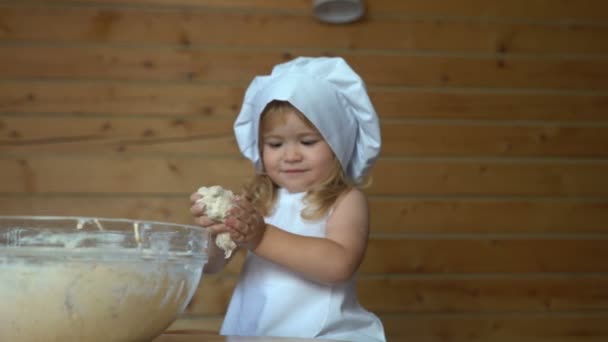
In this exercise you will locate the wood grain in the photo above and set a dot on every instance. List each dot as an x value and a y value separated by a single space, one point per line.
389 215
458 327
506 256
587 10
206 26
457 294
488 205
118 99
191 136
115 135
416 177
564 327
241 65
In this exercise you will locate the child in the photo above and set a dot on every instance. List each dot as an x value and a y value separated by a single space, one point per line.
312 133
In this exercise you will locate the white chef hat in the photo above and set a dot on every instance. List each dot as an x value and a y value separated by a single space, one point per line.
331 95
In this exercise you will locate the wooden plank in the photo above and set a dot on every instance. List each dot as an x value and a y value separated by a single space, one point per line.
519 256
453 253
497 327
189 337
483 139
209 323
431 294
152 208
69 134
388 215
487 104
522 327
488 215
241 65
536 294
479 254
212 296
263 29
439 254
573 10
568 11
107 174
152 174
456 327
116 98
504 177
575 327
224 101
110 135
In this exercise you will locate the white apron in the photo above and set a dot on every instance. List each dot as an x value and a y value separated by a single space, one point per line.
270 300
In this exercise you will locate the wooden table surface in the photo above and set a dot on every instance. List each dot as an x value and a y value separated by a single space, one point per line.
199 336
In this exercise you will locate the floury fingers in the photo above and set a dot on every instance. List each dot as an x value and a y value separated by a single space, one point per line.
217 202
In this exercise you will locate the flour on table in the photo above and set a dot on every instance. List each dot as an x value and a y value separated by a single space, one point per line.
218 201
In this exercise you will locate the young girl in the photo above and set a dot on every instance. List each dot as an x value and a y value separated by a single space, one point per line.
312 133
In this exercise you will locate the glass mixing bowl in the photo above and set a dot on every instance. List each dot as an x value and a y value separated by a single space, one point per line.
95 279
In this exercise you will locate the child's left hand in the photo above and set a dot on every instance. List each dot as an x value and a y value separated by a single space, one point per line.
245 224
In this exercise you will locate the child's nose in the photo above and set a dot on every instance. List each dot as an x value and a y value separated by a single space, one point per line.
292 153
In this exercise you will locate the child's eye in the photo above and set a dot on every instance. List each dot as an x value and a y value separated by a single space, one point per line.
273 144
309 142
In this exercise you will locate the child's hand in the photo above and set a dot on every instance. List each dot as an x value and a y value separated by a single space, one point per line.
200 218
217 256
245 224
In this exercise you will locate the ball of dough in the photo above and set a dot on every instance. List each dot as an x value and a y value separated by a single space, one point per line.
218 201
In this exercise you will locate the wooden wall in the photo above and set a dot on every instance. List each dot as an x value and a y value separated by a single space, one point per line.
490 201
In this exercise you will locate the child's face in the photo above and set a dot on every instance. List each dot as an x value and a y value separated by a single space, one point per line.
294 154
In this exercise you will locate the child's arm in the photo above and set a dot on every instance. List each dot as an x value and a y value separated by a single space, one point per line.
328 260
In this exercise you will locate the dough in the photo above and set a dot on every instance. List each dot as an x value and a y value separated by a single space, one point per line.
90 295
218 201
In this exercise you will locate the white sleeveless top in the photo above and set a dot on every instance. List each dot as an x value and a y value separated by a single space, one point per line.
271 300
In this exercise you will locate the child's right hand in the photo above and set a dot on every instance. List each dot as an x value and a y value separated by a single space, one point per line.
216 260
200 218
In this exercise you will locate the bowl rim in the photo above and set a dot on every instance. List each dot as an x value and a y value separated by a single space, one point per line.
99 218
62 251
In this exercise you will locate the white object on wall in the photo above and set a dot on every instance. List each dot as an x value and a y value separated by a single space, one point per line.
338 11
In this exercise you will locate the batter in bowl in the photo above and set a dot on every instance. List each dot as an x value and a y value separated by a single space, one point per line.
75 293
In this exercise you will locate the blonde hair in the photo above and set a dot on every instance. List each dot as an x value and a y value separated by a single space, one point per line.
262 191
